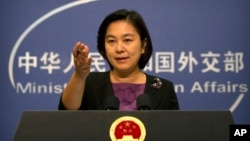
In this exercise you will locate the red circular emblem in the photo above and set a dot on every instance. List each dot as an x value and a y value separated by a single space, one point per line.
127 128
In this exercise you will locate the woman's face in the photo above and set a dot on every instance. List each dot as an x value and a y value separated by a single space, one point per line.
123 46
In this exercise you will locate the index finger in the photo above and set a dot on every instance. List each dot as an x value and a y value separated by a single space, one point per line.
75 49
78 48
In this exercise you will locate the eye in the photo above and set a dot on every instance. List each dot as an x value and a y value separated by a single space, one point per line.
128 40
110 41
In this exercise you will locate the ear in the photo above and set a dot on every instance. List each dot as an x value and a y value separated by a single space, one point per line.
144 45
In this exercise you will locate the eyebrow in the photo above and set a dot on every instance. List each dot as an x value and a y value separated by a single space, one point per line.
125 35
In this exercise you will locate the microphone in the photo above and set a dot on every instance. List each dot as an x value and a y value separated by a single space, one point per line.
111 103
143 102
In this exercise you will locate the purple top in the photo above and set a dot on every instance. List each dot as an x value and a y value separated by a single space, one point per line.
127 94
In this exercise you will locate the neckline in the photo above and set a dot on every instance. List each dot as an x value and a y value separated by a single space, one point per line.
122 83
145 75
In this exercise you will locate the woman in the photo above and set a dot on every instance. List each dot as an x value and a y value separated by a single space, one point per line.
124 41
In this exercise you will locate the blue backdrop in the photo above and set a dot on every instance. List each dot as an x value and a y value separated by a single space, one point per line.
201 45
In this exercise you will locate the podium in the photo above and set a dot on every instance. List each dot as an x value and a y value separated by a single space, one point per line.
96 125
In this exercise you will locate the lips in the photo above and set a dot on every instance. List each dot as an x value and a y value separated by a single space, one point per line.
121 59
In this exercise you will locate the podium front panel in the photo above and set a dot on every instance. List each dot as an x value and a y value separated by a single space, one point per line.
95 125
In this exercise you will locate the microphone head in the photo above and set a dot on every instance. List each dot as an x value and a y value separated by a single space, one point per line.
111 103
143 102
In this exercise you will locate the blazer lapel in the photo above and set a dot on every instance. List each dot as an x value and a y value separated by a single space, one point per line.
152 91
104 88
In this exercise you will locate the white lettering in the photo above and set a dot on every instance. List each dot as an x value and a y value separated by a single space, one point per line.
33 88
179 88
196 88
215 87
240 132
237 132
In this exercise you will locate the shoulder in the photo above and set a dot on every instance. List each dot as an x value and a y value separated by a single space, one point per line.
96 76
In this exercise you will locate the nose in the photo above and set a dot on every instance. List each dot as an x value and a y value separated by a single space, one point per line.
119 47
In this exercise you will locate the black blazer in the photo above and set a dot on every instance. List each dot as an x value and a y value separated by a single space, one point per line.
98 87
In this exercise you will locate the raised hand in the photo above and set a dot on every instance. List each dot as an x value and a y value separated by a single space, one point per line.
82 60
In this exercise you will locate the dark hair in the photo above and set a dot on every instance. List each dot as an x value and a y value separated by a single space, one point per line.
137 21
